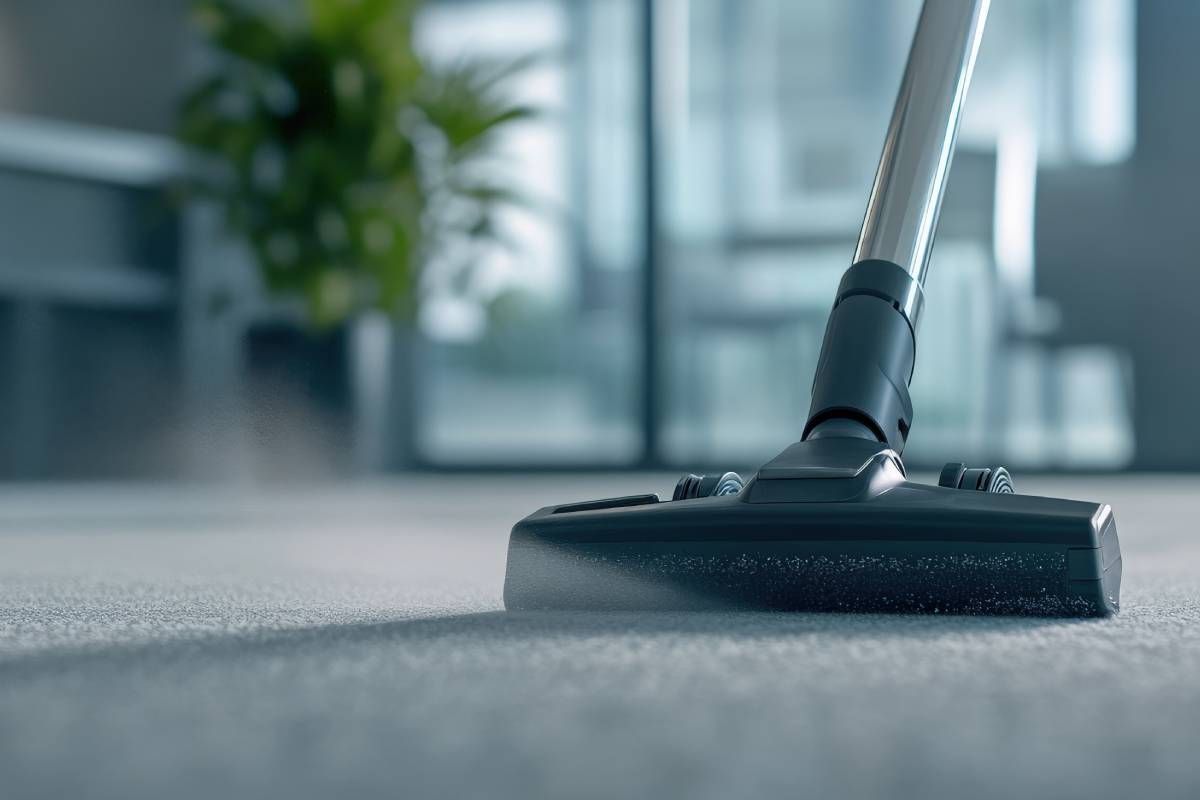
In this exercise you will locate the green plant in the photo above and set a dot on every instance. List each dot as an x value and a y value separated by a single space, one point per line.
346 159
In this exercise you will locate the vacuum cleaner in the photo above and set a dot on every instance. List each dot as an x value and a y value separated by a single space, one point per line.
833 523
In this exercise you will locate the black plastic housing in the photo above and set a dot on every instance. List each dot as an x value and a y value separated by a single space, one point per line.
869 353
830 525
915 549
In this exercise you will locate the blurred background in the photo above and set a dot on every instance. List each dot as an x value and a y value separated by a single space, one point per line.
262 240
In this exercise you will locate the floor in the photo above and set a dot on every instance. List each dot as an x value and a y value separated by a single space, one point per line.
349 640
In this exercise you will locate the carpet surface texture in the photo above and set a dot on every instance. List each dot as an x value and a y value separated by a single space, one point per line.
351 641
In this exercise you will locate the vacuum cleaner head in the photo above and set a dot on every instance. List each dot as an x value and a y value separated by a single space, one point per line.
832 523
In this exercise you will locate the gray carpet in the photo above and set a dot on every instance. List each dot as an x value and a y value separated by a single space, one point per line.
344 641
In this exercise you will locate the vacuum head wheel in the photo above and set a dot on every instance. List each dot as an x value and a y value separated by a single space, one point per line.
693 486
956 475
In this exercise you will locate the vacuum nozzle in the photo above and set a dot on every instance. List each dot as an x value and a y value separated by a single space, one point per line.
831 524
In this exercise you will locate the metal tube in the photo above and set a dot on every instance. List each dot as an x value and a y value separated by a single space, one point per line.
906 198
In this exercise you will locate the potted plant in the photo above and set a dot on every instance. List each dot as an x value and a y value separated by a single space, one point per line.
348 163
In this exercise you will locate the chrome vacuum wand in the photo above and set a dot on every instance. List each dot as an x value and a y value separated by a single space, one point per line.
902 212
